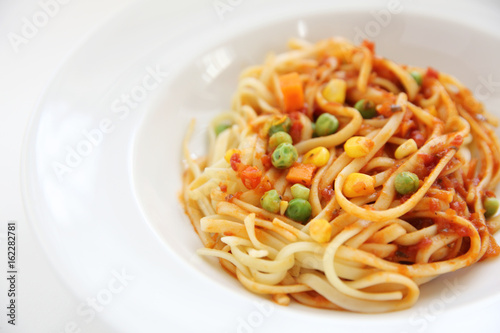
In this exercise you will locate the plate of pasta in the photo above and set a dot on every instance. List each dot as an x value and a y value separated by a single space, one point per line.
344 180
305 170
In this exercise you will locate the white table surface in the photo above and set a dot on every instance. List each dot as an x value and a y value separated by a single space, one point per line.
44 304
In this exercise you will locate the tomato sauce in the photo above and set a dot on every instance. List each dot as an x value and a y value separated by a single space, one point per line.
386 109
447 227
410 252
418 136
266 161
230 197
407 124
457 141
489 194
440 196
434 205
327 193
296 128
432 73
460 207
430 76
249 175
425 242
369 45
427 163
452 183
493 249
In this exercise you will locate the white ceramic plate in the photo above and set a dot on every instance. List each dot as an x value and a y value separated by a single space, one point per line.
102 159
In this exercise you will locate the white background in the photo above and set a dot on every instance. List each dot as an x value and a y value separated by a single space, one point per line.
44 304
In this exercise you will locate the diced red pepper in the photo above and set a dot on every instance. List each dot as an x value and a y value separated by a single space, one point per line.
250 176
235 161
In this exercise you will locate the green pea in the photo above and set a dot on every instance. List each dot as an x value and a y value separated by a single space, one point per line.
417 76
491 206
406 182
281 125
299 191
284 156
326 124
299 210
366 108
313 126
278 138
270 201
221 127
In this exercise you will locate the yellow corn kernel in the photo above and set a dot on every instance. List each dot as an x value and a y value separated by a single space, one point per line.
405 149
335 90
358 185
358 146
283 206
230 153
320 230
318 156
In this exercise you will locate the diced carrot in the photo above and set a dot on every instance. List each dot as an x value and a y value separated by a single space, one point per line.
293 95
301 173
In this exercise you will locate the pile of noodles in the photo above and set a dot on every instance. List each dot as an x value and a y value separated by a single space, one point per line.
384 245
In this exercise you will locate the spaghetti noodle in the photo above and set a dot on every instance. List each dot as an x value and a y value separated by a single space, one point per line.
344 180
